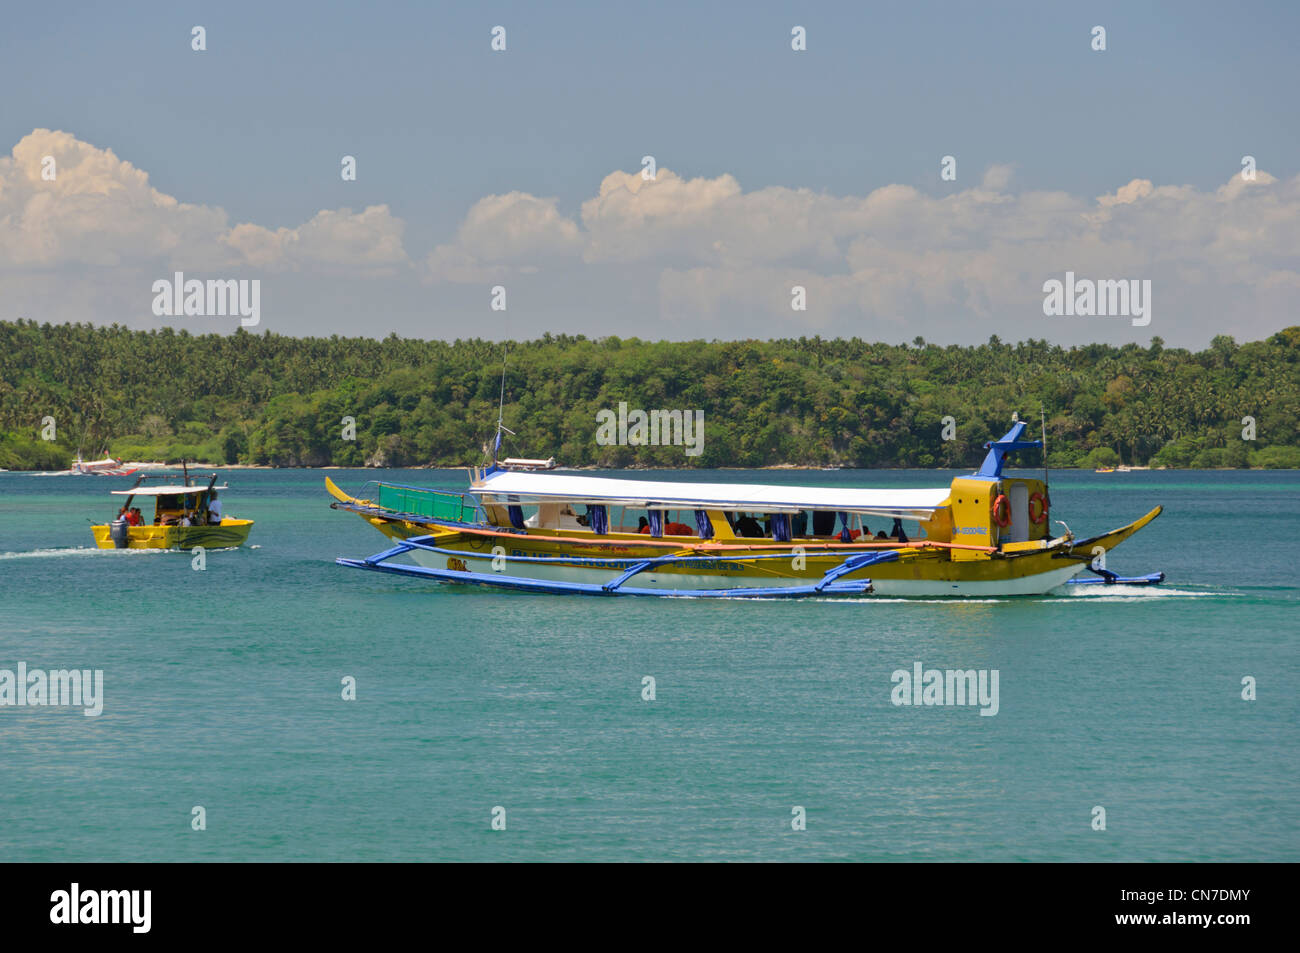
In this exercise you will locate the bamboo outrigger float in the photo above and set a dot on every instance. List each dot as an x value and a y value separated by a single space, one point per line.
984 535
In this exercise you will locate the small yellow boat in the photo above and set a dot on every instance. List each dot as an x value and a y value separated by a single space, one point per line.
185 516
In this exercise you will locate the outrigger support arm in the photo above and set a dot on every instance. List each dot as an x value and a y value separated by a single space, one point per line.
829 584
998 449
1105 577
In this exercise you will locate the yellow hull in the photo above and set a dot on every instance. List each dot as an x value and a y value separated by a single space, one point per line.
920 571
228 533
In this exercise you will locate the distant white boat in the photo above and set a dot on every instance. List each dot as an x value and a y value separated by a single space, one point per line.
106 467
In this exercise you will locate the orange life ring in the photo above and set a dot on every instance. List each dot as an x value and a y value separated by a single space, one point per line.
1042 508
1001 510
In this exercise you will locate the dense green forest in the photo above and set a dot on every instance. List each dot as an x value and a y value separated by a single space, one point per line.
270 399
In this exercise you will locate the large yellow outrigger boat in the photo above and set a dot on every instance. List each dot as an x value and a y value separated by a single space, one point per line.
183 518
516 528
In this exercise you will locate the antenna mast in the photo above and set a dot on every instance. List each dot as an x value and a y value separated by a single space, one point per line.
1042 413
501 409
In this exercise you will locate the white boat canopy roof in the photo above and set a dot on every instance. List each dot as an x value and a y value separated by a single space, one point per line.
165 490
766 498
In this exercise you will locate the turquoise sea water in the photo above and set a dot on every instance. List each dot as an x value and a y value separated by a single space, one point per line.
222 689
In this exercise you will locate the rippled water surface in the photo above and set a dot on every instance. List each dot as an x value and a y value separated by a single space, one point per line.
222 689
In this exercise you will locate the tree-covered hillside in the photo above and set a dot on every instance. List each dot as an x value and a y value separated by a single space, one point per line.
269 399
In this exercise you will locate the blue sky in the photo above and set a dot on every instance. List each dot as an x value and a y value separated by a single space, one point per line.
255 126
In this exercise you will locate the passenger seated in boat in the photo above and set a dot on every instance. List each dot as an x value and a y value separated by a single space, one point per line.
643 525
748 527
137 518
881 535
678 529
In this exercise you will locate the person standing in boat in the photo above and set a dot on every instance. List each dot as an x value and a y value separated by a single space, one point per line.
214 508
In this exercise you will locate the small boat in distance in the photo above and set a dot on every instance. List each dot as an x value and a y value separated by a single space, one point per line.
983 535
185 515
523 463
106 467
109 466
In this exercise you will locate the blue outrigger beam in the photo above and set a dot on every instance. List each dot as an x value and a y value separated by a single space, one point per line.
1107 578
831 583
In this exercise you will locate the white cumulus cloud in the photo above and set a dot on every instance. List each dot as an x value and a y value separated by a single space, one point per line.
682 256
64 202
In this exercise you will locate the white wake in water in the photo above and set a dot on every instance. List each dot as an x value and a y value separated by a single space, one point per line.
1121 592
80 551
1116 593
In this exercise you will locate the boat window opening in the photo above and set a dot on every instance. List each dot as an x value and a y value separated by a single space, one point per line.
677 524
558 516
